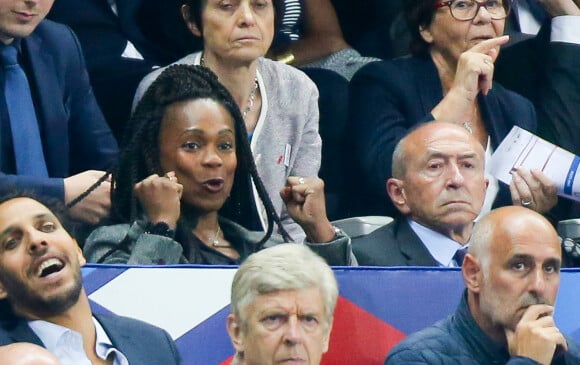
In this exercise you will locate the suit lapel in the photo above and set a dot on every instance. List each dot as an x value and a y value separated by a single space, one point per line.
121 340
491 112
412 247
128 11
427 83
97 8
19 331
52 117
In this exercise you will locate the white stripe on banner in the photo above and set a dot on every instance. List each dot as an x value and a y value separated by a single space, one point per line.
143 293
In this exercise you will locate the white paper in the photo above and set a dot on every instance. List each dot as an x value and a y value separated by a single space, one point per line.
521 148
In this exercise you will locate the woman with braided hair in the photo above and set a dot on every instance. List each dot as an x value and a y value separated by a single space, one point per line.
279 103
187 165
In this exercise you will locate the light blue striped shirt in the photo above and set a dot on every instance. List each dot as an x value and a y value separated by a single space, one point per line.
441 247
67 345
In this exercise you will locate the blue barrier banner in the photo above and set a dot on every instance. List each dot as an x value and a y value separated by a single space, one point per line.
377 307
570 177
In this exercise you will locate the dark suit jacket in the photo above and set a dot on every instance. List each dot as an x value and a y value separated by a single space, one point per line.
104 37
74 133
388 98
550 78
394 244
544 72
140 342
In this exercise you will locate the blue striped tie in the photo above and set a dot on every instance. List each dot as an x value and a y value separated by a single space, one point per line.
460 255
25 134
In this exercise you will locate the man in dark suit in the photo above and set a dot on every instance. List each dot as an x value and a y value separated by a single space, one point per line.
544 67
73 136
41 281
121 44
439 186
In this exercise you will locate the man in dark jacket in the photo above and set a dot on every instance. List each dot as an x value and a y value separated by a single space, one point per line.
40 280
53 137
439 187
512 274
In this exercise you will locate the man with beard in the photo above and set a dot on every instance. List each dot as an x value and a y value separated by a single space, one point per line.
512 273
40 280
439 186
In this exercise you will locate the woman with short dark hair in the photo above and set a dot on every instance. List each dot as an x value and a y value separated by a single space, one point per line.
448 77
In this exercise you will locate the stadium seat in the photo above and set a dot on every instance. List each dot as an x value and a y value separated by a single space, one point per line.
361 226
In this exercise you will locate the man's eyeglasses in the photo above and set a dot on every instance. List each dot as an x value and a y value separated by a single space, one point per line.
468 9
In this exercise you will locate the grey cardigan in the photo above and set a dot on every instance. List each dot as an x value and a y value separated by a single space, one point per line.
286 140
143 248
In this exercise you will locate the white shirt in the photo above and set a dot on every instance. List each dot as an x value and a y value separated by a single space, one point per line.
565 28
528 23
492 187
441 247
67 345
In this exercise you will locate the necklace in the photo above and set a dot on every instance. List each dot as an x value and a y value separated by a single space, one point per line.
468 123
253 92
216 241
251 99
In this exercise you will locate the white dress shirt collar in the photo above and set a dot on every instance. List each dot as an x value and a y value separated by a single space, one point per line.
566 28
441 247
67 345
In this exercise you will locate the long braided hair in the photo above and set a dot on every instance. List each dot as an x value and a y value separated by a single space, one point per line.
140 157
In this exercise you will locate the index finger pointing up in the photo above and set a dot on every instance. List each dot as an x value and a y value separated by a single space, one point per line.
490 46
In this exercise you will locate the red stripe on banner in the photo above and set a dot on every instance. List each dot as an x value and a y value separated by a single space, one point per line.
358 337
